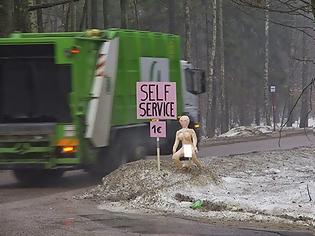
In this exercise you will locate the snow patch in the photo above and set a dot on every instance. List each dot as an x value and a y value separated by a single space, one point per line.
246 131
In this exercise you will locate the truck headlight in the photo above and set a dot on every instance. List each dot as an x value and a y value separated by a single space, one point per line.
68 149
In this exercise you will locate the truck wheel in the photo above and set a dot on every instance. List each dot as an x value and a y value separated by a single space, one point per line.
30 177
119 153
103 165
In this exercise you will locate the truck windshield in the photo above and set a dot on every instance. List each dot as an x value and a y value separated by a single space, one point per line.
32 87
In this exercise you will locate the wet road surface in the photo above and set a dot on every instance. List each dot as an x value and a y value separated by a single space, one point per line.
61 214
257 146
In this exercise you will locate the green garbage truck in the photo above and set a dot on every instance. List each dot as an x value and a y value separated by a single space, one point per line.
68 100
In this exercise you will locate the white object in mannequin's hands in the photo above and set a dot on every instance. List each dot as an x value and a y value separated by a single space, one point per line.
188 150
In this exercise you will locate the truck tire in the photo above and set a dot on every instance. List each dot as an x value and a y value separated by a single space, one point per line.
121 150
108 160
104 164
129 146
31 177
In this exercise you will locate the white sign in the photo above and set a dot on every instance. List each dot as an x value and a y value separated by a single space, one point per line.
272 89
154 69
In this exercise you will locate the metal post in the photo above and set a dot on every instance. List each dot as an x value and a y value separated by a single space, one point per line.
273 93
273 112
158 152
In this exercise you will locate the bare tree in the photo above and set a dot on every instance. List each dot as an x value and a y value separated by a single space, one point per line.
93 13
257 107
84 16
105 14
211 121
49 4
72 16
123 14
291 79
40 26
136 14
5 19
32 18
295 8
266 69
187 11
304 83
20 16
224 103
67 18
171 16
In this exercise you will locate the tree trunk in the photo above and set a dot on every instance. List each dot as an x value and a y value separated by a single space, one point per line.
136 14
171 16
304 82
266 69
187 11
213 107
257 111
51 4
67 19
291 81
123 14
40 26
211 121
224 103
72 17
313 7
20 16
105 13
5 17
84 16
93 13
32 18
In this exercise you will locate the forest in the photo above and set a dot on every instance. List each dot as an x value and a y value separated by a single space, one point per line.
246 48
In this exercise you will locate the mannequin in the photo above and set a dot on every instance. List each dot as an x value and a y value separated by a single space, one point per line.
189 150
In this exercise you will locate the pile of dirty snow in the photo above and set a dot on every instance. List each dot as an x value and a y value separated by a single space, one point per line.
274 186
247 131
141 178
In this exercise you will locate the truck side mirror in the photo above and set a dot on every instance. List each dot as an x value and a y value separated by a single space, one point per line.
195 81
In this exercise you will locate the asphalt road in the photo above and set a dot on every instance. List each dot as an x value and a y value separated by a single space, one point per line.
51 210
260 145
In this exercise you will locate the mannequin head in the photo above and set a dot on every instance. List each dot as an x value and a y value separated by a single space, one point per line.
184 121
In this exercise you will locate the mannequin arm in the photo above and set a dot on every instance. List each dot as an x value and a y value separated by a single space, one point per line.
176 143
194 138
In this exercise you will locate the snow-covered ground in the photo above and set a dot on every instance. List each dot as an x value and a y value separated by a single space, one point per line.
259 187
311 123
245 131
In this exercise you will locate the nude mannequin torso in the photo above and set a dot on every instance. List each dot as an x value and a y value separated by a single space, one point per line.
185 135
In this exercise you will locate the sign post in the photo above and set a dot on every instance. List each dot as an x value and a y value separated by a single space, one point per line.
273 91
156 100
158 130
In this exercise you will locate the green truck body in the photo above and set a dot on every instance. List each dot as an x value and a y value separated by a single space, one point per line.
52 113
